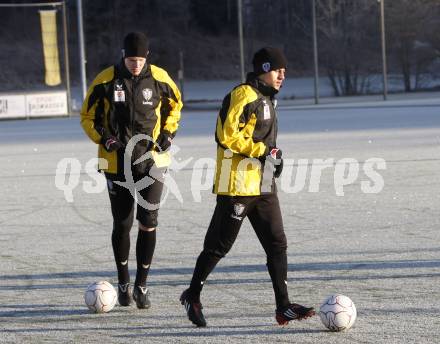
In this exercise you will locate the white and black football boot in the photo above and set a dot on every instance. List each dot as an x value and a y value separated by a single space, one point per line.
293 311
193 309
141 296
124 297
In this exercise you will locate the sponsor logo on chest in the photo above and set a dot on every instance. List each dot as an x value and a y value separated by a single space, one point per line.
266 110
119 93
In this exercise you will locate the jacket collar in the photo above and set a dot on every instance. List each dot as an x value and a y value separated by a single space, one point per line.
266 90
124 73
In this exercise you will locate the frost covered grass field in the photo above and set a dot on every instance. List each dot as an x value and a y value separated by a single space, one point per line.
380 249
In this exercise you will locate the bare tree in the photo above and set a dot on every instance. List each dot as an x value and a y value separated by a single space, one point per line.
348 39
413 28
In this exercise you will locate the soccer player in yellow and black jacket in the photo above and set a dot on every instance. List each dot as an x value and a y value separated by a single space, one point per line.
125 100
248 159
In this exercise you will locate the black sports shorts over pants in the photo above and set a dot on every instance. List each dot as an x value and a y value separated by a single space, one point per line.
265 216
122 202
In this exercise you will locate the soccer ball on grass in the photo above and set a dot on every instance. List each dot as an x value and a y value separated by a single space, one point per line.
338 313
100 297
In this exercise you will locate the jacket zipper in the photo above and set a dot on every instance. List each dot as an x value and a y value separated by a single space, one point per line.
133 89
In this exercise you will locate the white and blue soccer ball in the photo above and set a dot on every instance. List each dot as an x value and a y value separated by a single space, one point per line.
338 313
100 297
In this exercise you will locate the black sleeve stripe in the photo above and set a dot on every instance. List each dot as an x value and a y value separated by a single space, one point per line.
247 111
165 109
92 98
168 91
97 95
225 108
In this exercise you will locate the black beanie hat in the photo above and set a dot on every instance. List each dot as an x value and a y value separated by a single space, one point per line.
135 45
267 59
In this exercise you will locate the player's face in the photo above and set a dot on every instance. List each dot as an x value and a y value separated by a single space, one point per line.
135 64
274 78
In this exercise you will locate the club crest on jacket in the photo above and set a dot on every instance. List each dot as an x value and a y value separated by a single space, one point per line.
147 93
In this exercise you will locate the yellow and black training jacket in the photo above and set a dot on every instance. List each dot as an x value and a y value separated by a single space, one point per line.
246 128
123 105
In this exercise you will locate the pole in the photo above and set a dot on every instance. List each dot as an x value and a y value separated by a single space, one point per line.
181 74
66 60
240 34
384 56
82 54
315 53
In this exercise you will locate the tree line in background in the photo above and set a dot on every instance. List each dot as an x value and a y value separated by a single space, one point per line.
206 34
350 42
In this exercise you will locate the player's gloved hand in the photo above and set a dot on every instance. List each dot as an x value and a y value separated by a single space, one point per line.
279 169
164 141
275 157
110 143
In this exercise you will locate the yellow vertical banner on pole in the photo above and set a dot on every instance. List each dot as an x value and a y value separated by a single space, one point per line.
48 21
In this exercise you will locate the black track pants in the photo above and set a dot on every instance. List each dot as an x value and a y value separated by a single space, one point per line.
265 216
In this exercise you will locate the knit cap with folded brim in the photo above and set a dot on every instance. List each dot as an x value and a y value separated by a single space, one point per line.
267 59
135 45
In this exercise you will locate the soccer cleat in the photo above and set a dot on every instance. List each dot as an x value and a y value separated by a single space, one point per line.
293 311
124 297
193 309
140 295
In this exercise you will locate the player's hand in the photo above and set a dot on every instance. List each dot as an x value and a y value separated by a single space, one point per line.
279 169
110 143
275 157
163 141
